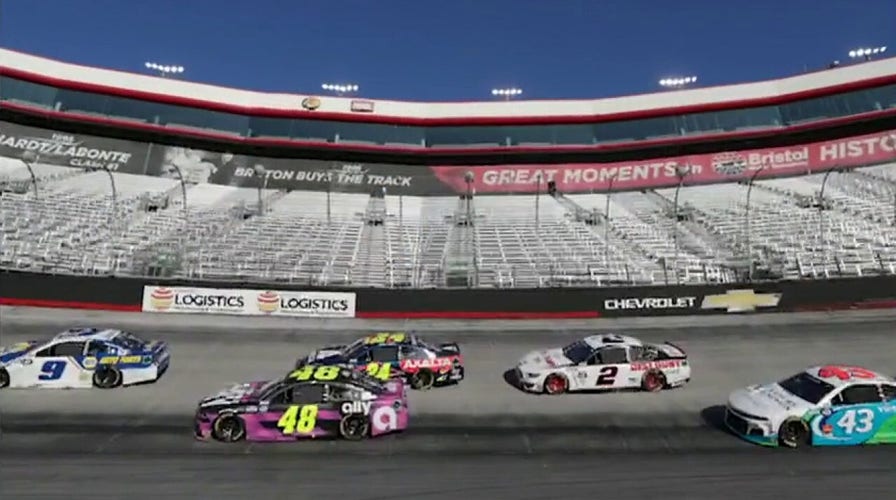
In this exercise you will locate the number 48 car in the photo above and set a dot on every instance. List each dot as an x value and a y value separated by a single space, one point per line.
822 406
311 402
604 362
84 357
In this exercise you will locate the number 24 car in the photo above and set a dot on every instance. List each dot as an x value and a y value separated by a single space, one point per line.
313 401
82 358
822 406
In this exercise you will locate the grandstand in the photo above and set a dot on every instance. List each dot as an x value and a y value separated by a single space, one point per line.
74 225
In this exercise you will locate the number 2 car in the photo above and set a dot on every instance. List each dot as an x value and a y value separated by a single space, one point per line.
604 362
313 401
82 358
422 364
828 405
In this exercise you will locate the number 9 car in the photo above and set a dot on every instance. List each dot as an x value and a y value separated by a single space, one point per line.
84 357
822 406
313 401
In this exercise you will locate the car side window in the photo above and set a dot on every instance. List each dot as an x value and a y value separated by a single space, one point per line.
613 355
889 392
384 353
306 393
635 352
412 352
63 349
98 348
594 359
858 394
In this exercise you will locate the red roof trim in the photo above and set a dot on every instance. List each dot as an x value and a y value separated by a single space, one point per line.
418 151
411 121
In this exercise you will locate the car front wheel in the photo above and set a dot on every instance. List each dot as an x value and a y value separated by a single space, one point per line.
229 428
4 378
793 434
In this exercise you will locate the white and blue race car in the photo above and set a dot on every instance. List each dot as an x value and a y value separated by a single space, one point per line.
82 358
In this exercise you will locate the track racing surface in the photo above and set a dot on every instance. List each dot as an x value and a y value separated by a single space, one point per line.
480 439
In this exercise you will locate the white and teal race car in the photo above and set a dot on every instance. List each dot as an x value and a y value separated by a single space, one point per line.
829 405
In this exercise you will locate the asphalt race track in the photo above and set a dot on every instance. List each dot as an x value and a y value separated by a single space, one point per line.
481 439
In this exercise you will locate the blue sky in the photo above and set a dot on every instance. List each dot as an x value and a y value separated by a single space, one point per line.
453 49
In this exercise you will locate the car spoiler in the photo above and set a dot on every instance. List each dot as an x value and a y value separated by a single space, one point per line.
450 347
684 353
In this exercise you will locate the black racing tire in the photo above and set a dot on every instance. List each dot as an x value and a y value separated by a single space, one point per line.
794 433
653 381
107 378
423 380
228 428
4 378
354 427
555 383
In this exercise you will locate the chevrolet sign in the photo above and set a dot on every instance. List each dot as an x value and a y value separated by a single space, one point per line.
740 300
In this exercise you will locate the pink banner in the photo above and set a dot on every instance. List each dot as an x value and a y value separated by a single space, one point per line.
663 172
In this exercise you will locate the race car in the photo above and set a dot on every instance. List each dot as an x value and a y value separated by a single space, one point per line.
829 405
604 362
82 358
422 364
314 401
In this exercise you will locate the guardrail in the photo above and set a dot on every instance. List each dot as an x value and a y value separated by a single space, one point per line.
173 296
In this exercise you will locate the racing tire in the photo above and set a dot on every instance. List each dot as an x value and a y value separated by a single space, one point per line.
794 433
653 381
107 378
423 380
354 427
4 378
229 428
555 384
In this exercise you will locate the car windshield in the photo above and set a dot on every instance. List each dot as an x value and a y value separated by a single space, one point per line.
129 341
806 387
578 351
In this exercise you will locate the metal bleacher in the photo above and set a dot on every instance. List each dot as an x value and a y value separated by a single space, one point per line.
75 225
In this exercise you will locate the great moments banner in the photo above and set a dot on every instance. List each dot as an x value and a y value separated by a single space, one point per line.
200 166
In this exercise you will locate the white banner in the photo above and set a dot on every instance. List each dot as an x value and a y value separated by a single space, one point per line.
248 302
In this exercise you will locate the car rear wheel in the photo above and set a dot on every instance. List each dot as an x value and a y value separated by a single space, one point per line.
4 378
422 380
653 381
793 434
555 384
107 378
354 427
229 428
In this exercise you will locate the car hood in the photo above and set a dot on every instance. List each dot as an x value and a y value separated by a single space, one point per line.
236 394
545 359
12 352
329 354
767 401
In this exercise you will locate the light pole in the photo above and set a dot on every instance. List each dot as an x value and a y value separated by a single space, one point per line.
607 220
537 197
340 89
866 53
164 70
468 179
749 244
27 158
260 172
507 93
677 82
681 171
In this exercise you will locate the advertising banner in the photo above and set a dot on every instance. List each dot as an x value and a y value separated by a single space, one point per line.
245 302
71 150
728 166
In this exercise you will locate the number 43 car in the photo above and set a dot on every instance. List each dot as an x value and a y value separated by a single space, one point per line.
604 362
424 365
313 401
829 405
82 358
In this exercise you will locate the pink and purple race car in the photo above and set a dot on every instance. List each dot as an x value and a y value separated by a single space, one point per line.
311 402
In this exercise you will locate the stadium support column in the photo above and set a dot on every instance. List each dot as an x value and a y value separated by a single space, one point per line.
681 172
113 207
27 158
537 197
821 215
607 220
747 239
262 184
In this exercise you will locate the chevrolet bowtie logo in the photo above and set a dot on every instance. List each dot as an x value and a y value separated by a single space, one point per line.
740 300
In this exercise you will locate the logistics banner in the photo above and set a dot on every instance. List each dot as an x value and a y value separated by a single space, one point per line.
693 169
246 302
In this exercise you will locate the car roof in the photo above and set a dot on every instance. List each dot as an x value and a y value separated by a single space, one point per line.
602 340
841 375
87 334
